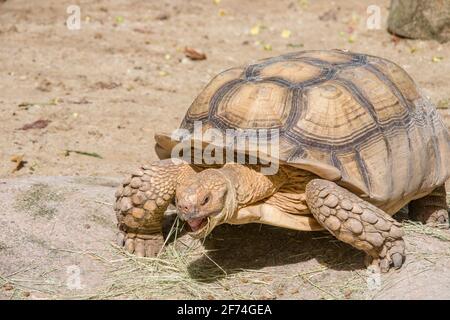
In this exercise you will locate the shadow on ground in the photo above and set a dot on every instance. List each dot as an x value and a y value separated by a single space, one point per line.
253 247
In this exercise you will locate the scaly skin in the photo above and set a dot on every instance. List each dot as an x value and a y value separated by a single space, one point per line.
357 222
141 202
432 209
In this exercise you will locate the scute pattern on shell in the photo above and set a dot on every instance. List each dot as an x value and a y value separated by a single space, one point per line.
358 113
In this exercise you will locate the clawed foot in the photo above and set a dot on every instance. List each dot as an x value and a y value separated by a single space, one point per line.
146 245
357 222
438 219
391 255
432 217
432 209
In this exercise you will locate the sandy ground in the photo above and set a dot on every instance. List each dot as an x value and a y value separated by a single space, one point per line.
107 88
46 253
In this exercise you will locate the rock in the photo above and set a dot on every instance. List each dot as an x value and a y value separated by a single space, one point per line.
418 19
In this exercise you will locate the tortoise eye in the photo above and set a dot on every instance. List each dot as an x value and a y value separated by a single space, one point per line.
205 201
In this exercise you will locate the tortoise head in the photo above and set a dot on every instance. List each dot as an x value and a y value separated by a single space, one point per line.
204 201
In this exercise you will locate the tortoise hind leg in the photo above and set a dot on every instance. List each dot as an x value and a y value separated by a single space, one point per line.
141 202
357 222
431 209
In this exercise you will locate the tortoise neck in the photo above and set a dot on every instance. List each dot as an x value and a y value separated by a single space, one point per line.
249 184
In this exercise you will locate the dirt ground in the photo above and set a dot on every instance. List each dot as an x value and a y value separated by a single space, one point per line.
104 90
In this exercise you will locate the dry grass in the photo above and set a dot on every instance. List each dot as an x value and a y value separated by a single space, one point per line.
412 227
172 275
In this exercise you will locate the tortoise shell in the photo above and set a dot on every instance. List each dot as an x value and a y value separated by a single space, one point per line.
353 118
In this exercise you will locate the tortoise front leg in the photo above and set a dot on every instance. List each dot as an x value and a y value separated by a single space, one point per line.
357 222
141 202
431 209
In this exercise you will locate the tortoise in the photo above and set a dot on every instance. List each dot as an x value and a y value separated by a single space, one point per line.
357 142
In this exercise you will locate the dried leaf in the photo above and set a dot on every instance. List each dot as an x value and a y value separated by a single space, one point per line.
80 101
20 163
162 16
395 40
255 30
38 124
303 3
443 104
329 15
52 102
8 287
267 47
89 154
286 33
45 86
194 54
144 31
106 85
295 45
